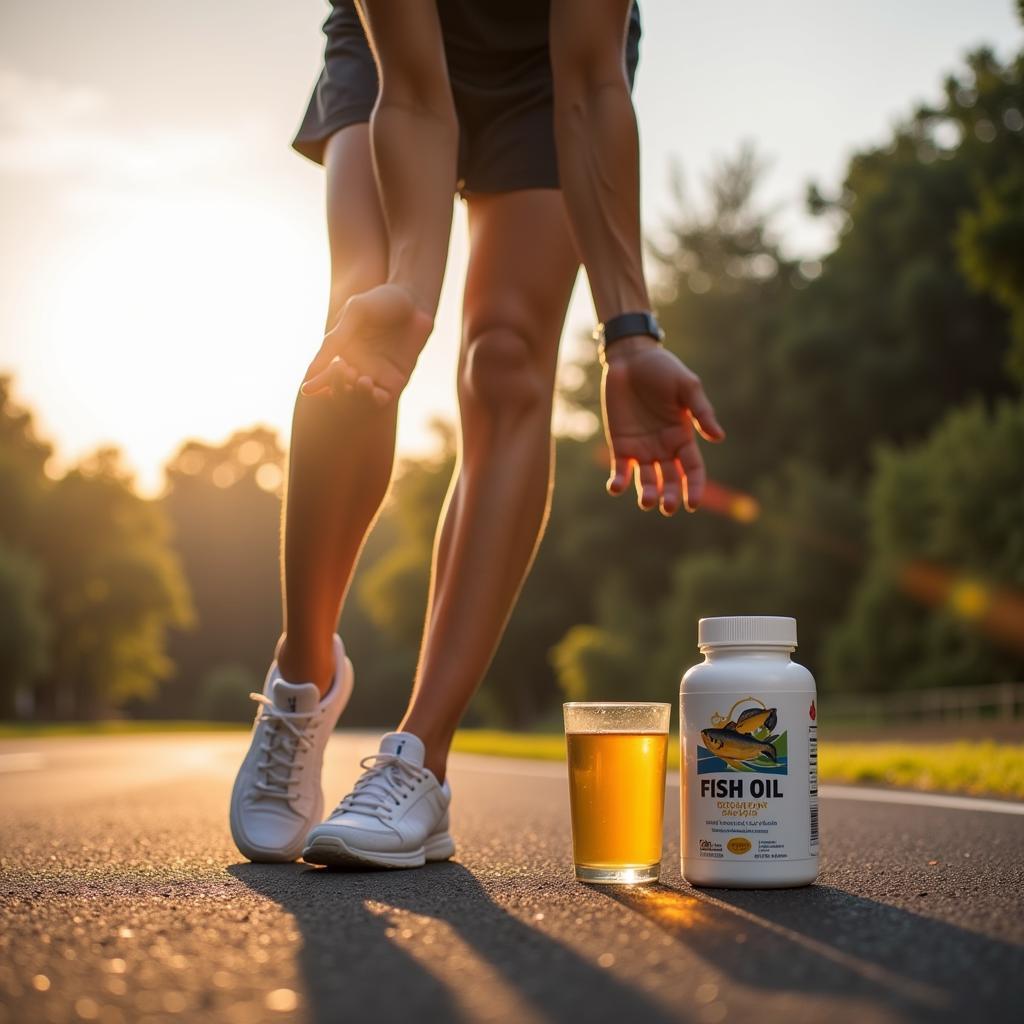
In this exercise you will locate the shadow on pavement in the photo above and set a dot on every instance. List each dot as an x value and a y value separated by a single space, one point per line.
822 939
350 961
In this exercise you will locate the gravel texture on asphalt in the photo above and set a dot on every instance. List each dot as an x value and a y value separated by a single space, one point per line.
124 900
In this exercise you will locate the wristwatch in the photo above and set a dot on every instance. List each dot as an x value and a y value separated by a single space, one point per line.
627 325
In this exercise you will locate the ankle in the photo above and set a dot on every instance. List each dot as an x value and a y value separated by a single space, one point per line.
306 662
437 765
436 744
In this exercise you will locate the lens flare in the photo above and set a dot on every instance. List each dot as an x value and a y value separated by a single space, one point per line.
970 599
996 611
724 501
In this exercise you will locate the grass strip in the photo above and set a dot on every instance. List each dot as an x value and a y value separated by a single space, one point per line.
982 768
979 768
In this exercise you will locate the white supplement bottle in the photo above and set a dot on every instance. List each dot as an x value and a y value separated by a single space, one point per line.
748 732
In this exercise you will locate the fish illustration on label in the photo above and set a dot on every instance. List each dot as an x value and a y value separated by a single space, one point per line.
746 742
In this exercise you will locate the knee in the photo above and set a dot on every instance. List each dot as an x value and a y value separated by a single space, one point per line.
502 374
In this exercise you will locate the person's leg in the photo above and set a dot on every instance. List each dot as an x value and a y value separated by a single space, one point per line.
341 454
521 272
342 446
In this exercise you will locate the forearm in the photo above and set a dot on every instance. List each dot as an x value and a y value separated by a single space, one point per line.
598 149
414 135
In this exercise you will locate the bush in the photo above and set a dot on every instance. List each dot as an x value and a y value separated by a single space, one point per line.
940 600
223 694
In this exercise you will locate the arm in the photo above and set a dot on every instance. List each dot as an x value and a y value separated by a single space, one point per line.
598 149
651 401
414 136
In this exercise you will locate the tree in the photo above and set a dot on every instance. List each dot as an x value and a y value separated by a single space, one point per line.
723 287
222 692
891 335
23 458
985 109
113 588
24 627
942 598
88 583
224 506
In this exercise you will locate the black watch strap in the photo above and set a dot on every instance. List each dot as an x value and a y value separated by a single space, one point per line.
628 325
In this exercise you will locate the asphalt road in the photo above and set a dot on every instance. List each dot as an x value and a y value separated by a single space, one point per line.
122 899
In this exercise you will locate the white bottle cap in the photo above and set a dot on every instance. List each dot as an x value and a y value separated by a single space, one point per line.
747 631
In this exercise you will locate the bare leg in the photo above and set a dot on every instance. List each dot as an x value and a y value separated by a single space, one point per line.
521 271
342 446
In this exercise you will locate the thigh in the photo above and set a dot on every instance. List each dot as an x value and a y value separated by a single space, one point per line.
355 223
522 267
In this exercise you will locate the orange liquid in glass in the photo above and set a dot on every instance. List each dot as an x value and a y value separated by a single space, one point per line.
617 794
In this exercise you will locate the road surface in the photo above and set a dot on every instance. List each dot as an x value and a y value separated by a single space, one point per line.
122 900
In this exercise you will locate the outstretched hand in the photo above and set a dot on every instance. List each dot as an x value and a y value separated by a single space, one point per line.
653 408
373 348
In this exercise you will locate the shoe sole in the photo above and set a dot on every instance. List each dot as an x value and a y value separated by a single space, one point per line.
333 852
290 854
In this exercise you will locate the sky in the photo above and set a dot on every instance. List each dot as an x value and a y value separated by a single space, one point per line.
163 255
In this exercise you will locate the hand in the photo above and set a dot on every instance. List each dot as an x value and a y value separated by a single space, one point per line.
373 348
652 403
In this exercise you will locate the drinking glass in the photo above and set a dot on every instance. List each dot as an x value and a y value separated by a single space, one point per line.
616 756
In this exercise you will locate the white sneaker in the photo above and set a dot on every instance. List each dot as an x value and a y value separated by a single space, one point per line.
278 794
395 817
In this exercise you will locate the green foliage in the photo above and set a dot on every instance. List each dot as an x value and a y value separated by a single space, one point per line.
725 287
224 692
593 664
393 590
891 334
114 586
947 560
909 336
986 109
983 769
224 506
811 366
90 584
24 626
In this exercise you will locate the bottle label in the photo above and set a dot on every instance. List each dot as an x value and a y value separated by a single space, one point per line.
749 780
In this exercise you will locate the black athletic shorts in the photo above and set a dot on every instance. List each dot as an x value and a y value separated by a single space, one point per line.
500 74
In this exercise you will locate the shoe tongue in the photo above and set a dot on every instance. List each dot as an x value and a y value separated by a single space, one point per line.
404 745
301 697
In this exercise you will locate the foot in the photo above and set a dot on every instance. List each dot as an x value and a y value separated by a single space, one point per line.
395 817
373 348
278 795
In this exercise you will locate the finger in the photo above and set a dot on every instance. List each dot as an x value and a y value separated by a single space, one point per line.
621 472
320 363
320 383
691 394
671 487
347 322
646 485
336 372
694 475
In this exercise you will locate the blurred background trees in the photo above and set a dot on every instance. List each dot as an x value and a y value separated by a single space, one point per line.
89 581
872 484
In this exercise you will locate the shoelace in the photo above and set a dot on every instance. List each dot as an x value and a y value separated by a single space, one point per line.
379 789
283 737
